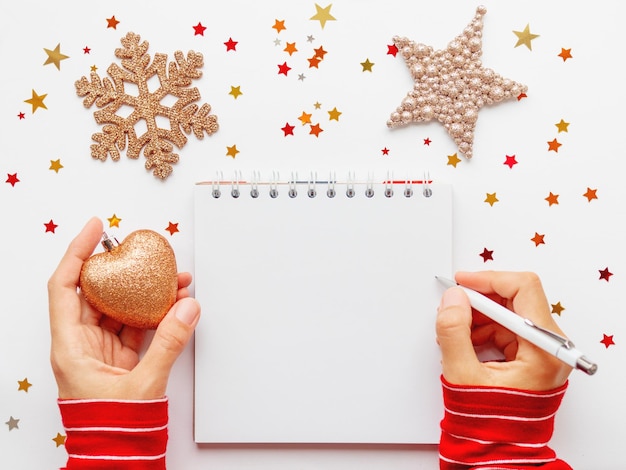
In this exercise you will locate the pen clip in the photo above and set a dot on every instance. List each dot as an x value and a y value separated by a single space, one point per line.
561 339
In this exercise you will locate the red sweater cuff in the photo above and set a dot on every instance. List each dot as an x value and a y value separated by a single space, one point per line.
113 434
498 426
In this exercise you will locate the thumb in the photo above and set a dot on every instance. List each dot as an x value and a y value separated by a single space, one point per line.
454 320
169 341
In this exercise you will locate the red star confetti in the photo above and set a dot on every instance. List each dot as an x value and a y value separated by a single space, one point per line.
607 340
565 54
21 116
385 151
427 141
283 69
172 228
487 255
50 226
112 22
605 274
59 440
591 194
12 179
316 130
279 25
231 45
510 161
86 50
521 96
552 198
553 146
392 49
287 129
557 308
538 239
198 30
24 385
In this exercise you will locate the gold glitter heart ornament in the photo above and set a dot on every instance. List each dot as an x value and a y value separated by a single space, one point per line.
134 282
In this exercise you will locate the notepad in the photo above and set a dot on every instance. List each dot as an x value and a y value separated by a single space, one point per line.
318 321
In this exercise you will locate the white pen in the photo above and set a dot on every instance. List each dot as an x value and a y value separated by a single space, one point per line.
551 342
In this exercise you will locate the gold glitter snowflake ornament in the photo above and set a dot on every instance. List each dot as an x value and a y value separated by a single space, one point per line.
129 87
451 85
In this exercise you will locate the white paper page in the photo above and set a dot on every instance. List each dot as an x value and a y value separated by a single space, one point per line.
318 316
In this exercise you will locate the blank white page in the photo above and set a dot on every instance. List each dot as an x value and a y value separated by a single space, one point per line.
318 321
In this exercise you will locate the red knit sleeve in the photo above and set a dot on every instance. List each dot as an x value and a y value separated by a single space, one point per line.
493 427
110 434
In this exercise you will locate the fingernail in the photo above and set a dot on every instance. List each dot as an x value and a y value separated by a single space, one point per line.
452 296
187 310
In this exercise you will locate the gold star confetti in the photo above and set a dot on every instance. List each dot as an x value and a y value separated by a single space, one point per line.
36 101
323 15
525 37
114 221
367 65
562 126
59 440
93 68
453 160
24 385
491 199
235 91
232 151
451 85
55 165
334 114
55 56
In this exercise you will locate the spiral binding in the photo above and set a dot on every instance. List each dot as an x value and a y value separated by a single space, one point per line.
274 185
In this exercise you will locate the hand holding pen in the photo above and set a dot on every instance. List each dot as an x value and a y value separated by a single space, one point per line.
460 329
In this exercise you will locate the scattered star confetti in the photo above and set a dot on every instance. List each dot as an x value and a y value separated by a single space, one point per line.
279 25
607 340
12 179
93 68
557 308
235 91
427 141
198 30
172 228
301 77
552 199
323 14
491 199
112 22
334 114
174 80
12 423
562 126
24 385
553 146
487 255
453 160
310 38
232 151
288 129
283 69
385 151
55 56
605 274
320 52
314 62
36 101
591 194
86 50
316 130
59 440
510 161
231 45
565 54
55 165
525 37
50 226
392 49
21 116
305 118
114 221
538 239
451 85
290 48
367 65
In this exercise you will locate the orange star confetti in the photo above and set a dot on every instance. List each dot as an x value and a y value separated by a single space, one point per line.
114 221
279 25
314 62
591 194
24 385
59 440
491 199
538 239
320 52
453 160
565 54
553 146
316 130
232 151
112 22
55 165
290 48
172 228
305 118
552 199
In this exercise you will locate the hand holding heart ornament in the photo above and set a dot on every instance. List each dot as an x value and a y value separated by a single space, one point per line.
134 282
